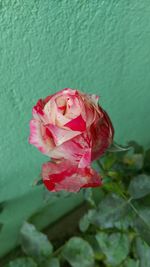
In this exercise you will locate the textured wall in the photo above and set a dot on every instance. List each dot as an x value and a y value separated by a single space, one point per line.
100 46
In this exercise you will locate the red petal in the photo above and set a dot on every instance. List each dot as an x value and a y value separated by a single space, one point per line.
102 135
63 175
77 124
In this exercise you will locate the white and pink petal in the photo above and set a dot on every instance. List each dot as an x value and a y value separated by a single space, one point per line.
61 135
39 137
64 175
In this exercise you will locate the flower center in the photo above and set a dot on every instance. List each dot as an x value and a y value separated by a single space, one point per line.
62 109
61 104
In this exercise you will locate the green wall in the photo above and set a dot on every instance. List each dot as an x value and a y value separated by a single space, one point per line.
99 46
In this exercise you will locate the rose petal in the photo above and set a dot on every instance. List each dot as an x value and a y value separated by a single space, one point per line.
74 106
102 134
77 150
94 99
38 108
38 112
86 159
61 135
77 124
40 139
64 175
50 110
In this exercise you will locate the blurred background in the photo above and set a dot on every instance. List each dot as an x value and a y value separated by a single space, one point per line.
100 47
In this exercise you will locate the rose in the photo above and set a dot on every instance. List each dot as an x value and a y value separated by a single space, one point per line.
72 129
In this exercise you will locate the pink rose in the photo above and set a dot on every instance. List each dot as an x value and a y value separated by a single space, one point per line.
73 130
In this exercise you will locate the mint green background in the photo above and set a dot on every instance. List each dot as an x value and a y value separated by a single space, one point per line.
99 46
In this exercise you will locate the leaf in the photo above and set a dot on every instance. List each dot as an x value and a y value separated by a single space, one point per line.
114 175
91 239
88 196
54 262
38 182
118 148
134 161
49 196
85 221
78 253
143 252
113 211
138 161
108 161
139 186
114 187
114 246
22 262
131 263
138 149
142 223
35 243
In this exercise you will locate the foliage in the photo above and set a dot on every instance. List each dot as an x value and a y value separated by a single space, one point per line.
22 262
34 243
78 252
113 232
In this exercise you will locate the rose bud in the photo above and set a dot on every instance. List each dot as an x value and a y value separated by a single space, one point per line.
73 130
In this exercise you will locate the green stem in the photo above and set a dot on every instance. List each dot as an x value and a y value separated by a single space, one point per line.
57 251
134 209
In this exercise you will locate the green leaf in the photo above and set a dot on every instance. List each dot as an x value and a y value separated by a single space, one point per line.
134 161
139 186
85 221
138 161
143 252
108 161
91 239
54 262
131 263
118 148
114 246
114 187
114 175
35 243
88 196
38 182
113 211
78 253
138 149
142 222
22 262
52 196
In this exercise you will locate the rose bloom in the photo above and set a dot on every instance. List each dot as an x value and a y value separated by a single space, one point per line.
73 130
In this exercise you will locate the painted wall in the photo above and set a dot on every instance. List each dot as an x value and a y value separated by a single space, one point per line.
100 46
